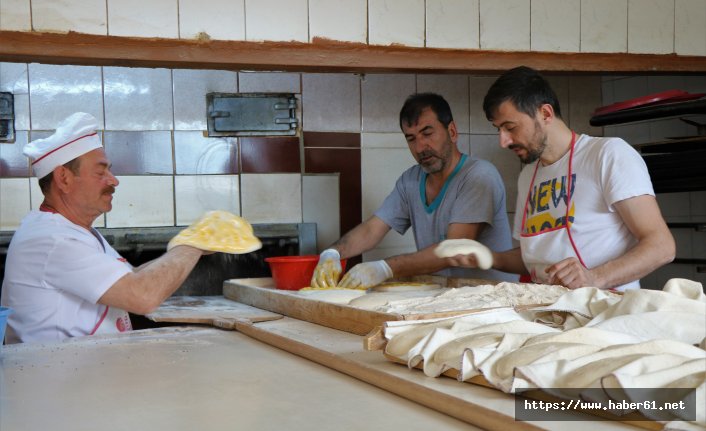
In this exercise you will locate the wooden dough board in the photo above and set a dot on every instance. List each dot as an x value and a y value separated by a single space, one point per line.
210 310
261 293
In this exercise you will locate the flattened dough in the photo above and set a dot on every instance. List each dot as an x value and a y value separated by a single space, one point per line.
336 296
403 286
373 300
219 231
453 247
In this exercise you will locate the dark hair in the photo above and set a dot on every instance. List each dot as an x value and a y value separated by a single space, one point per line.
525 88
45 181
416 103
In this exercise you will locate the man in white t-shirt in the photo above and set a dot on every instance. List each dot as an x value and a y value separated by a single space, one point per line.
62 278
586 210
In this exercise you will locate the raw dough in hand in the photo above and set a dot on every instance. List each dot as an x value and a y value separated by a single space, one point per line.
454 247
219 231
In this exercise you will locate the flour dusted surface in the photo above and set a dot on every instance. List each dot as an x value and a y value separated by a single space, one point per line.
472 297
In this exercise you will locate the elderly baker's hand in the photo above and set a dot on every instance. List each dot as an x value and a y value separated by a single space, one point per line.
366 275
327 270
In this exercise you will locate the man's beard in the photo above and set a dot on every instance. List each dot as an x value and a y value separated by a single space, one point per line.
439 161
534 154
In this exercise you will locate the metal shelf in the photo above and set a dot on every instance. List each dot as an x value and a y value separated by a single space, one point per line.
697 226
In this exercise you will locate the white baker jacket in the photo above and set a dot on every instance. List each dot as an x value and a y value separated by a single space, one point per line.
55 273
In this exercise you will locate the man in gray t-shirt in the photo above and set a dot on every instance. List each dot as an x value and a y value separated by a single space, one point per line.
447 195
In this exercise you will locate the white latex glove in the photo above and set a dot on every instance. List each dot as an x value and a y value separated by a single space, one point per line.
327 270
366 275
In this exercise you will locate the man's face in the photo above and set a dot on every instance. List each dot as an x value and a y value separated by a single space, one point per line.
430 142
519 132
92 189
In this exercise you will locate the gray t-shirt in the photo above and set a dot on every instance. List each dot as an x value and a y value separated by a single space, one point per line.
474 193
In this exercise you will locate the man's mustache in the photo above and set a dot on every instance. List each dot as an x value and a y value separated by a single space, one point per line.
424 154
109 190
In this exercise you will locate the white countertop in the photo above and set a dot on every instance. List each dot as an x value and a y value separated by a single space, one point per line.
191 379
197 378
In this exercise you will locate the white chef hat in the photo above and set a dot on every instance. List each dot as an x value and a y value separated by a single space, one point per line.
74 137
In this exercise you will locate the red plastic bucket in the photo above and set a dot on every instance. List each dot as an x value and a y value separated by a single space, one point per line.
294 272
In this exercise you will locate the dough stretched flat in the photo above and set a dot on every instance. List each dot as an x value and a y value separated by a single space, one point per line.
219 231
454 247
404 287
373 300
503 294
334 295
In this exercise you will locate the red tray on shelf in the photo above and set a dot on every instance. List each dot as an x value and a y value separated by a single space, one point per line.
670 96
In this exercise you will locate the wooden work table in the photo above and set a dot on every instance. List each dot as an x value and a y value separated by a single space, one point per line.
187 378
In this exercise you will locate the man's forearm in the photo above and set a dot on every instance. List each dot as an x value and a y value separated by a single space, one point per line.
361 238
648 255
417 263
143 291
509 261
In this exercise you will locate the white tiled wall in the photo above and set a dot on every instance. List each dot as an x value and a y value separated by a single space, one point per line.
604 25
60 15
154 18
138 99
556 25
651 26
216 19
14 194
189 89
276 20
59 91
15 15
267 82
142 201
396 22
271 198
505 25
344 20
320 199
196 194
690 27
332 102
383 96
637 26
452 24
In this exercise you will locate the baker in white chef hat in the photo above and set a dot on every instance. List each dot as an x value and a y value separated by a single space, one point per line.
62 278
74 137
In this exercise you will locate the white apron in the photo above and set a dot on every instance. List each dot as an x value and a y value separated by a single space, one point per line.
113 320
549 246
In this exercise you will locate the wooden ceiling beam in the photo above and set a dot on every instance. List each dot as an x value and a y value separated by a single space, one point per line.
320 56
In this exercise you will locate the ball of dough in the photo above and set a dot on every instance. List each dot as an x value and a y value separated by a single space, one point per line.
453 247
